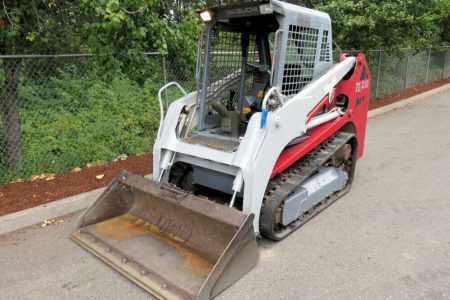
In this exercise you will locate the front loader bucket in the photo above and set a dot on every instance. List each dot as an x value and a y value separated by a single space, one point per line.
173 244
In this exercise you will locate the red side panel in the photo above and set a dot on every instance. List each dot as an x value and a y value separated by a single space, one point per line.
357 89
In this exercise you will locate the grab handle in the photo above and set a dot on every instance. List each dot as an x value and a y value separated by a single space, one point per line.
161 106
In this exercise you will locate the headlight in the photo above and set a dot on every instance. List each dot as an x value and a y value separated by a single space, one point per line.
265 9
206 16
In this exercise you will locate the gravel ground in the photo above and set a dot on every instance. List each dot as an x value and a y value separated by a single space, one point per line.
389 237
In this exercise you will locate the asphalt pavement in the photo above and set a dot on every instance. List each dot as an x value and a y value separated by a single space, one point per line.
389 237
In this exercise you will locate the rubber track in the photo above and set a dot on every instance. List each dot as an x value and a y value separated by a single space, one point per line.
285 183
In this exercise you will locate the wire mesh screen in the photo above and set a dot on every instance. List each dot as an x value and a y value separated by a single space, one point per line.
300 58
184 75
372 60
28 102
416 69
436 66
446 64
10 135
324 47
225 64
392 74
57 113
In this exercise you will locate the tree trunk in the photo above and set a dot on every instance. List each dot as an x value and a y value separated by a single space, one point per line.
9 112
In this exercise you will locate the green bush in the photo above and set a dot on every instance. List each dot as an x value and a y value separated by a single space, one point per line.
73 120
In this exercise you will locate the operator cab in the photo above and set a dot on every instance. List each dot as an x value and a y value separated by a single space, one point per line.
245 50
236 38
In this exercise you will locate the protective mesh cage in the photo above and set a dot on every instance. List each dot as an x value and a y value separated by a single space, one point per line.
225 63
300 58
325 47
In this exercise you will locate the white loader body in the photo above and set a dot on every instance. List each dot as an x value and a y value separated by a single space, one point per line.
259 149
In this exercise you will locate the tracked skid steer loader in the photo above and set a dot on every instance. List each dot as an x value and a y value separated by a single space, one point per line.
269 139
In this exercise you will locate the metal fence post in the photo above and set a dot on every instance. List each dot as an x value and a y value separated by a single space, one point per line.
406 71
165 81
428 65
445 63
378 74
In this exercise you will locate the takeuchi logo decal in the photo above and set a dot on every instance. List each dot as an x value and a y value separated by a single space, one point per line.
244 10
363 82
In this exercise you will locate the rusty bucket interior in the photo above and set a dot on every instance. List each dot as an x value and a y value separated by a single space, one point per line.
171 243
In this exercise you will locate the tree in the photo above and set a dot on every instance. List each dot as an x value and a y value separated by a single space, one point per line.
9 114
386 24
382 24
28 27
118 30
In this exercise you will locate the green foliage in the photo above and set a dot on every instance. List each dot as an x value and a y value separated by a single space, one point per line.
386 24
73 120
121 28
117 28
99 108
34 26
117 31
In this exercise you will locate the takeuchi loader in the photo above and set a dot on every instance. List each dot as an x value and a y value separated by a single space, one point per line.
269 139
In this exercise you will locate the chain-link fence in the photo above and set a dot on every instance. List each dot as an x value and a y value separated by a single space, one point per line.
60 112
391 74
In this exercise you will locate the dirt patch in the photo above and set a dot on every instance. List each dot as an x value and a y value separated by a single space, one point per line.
395 97
23 195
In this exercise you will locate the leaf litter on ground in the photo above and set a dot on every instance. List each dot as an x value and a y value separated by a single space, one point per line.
46 222
44 176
